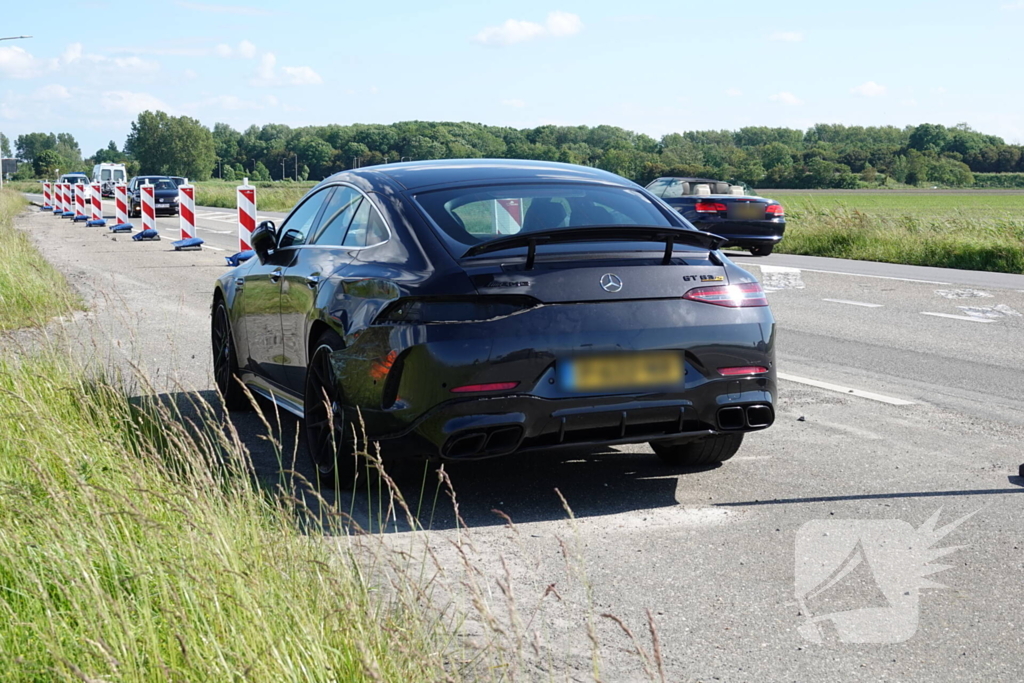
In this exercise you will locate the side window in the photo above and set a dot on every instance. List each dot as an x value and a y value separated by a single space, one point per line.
367 227
337 216
297 226
658 187
674 189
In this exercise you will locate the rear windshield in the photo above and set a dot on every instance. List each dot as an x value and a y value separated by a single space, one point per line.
471 215
165 185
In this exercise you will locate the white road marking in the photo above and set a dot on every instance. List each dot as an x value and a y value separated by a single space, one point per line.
963 294
877 277
209 246
994 312
853 303
959 317
774 278
846 390
219 232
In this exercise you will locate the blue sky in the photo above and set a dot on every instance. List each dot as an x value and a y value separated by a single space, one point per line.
654 67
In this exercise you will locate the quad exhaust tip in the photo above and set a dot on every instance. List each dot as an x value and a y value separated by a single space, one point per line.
739 417
483 443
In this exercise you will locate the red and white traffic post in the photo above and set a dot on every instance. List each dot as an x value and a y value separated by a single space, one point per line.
47 197
121 204
80 193
148 198
187 210
96 205
246 215
63 196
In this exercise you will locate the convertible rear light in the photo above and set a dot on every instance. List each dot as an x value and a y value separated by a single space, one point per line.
493 386
774 210
743 370
746 295
710 207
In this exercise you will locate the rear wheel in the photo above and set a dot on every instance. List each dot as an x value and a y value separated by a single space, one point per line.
329 434
762 250
225 363
709 451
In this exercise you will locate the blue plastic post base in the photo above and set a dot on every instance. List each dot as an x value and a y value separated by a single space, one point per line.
80 217
46 207
192 243
146 236
122 227
57 211
240 257
97 223
68 214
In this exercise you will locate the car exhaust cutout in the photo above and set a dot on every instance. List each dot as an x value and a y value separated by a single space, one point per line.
731 418
760 416
465 445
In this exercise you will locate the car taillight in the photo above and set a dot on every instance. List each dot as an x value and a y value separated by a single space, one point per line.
709 207
774 210
468 309
743 370
746 295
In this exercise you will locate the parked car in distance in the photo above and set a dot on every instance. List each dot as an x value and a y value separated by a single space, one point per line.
107 175
165 194
75 179
751 222
466 309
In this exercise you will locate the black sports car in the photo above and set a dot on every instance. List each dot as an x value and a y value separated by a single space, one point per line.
165 194
474 308
748 221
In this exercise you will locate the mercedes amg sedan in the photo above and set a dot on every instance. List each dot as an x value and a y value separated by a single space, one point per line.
467 309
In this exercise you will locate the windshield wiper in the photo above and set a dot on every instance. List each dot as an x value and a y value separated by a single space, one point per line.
599 233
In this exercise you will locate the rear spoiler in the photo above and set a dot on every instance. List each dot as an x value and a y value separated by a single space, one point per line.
599 233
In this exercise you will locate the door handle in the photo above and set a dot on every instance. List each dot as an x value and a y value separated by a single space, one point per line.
275 275
312 281
239 282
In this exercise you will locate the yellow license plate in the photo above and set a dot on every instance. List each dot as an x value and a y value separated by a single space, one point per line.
625 371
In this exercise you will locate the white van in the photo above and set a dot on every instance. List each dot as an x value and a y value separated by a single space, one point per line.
107 175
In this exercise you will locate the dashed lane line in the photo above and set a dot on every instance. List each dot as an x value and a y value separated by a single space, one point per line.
877 277
969 318
846 390
854 303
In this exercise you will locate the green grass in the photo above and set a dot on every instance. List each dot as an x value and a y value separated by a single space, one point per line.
31 290
269 196
946 230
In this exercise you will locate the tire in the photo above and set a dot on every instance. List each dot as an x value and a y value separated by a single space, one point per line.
709 451
329 433
225 362
763 250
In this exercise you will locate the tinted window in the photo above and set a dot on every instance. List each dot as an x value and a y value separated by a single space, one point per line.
340 208
165 185
105 174
118 174
297 226
472 215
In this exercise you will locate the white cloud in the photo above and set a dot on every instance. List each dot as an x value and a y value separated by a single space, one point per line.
51 92
267 74
17 63
786 98
909 102
246 49
237 10
223 50
939 91
130 103
869 89
787 36
518 104
1013 5
557 25
301 75
733 92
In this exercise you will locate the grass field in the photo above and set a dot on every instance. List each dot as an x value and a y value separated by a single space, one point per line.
31 290
967 230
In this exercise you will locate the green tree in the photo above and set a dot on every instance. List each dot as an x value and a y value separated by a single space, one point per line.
29 145
5 146
172 145
261 172
109 155
46 163
229 173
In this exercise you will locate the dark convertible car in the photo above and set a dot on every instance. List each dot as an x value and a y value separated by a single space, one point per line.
744 220
466 309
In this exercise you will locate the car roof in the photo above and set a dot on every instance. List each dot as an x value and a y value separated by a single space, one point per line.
416 175
689 180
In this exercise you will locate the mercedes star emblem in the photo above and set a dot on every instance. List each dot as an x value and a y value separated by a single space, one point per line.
610 282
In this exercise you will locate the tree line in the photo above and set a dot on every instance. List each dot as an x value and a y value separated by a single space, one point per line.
824 156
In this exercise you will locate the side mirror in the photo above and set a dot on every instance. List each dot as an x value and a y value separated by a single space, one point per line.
264 239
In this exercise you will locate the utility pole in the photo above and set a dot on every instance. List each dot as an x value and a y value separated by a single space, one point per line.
282 169
296 168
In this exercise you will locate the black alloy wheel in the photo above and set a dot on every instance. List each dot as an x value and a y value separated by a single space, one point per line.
709 451
762 250
329 433
225 363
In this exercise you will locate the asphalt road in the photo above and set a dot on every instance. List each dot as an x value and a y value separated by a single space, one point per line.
902 397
